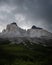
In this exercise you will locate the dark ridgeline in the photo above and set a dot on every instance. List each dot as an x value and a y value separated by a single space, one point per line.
14 23
34 27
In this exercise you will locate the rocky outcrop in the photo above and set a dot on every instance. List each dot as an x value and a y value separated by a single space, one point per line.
12 30
39 33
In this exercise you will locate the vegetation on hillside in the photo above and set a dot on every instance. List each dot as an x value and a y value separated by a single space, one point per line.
20 54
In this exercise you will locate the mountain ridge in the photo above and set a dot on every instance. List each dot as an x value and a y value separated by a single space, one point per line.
34 35
13 30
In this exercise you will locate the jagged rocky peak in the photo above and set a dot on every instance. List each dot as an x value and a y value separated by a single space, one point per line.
13 30
34 27
11 27
14 23
38 32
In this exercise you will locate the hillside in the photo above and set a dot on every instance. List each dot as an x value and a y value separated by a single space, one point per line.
19 54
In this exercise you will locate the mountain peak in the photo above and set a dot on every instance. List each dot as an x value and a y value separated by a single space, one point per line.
14 23
34 27
12 26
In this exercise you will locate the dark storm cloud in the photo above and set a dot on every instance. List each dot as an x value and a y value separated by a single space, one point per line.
27 13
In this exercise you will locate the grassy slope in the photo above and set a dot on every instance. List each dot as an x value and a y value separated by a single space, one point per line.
22 55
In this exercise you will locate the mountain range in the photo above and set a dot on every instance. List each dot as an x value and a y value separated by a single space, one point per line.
21 47
13 30
33 35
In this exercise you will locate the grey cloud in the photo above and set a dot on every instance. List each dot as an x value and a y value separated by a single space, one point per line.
38 12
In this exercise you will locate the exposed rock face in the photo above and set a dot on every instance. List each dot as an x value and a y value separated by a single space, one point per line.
11 27
39 33
12 30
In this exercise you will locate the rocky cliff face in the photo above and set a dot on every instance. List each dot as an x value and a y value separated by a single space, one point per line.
12 30
38 32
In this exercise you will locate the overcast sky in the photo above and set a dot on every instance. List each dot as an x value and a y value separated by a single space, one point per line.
26 13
